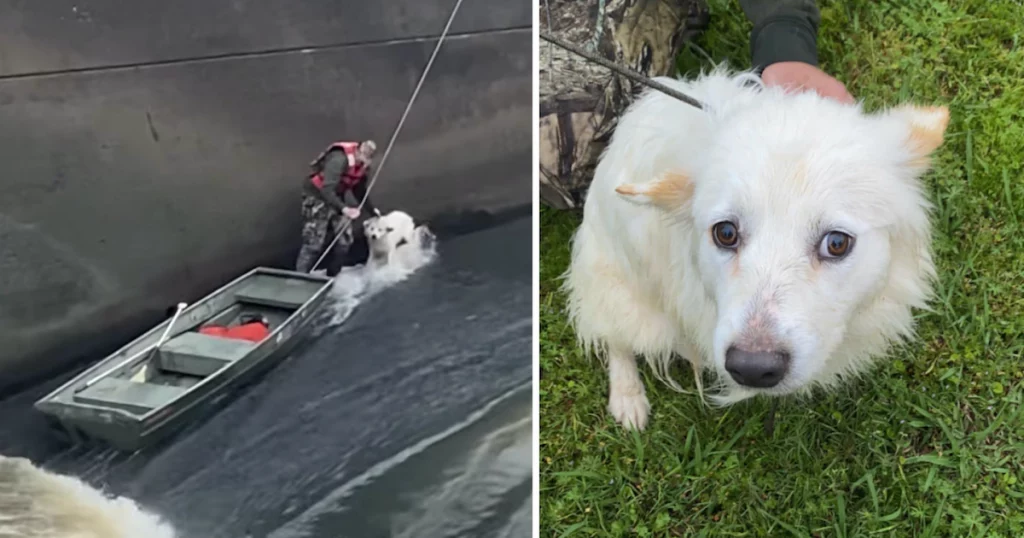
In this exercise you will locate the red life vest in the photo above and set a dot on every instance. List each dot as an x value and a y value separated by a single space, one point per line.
253 331
355 173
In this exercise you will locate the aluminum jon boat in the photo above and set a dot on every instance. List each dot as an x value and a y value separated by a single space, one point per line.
163 379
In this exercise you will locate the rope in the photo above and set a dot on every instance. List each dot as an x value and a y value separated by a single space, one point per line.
630 74
394 135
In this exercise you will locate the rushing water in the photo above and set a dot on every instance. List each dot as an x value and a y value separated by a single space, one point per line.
406 414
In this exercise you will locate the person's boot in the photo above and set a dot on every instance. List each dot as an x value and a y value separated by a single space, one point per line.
580 101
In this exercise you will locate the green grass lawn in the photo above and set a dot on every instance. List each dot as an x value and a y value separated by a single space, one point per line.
930 444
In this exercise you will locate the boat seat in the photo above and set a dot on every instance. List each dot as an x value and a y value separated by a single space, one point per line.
138 398
198 354
272 293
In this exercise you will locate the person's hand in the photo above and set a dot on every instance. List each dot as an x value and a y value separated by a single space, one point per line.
351 212
799 76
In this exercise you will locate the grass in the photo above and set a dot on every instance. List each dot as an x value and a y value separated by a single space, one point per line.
932 443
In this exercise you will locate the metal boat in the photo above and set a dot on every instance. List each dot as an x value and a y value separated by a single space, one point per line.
163 379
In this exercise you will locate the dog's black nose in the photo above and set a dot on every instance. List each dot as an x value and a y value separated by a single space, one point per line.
758 369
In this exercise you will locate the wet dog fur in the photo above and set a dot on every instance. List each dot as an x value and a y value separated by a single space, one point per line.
387 236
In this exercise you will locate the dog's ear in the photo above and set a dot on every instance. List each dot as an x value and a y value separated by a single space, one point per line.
671 192
926 128
376 211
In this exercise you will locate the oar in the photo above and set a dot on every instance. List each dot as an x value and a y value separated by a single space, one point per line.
129 360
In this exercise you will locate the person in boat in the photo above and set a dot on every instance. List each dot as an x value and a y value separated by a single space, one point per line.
251 327
342 168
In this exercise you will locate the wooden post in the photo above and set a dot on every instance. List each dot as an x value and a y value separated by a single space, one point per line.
580 102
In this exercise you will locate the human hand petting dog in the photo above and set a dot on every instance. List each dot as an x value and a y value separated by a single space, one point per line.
797 76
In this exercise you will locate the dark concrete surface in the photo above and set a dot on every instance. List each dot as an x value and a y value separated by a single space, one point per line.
58 35
150 151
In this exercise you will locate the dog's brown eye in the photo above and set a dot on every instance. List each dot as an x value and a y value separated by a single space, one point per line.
835 245
725 234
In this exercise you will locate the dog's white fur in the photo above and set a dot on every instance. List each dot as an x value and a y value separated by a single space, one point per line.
392 234
385 232
646 277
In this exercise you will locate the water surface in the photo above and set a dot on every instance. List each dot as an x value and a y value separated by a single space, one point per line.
410 418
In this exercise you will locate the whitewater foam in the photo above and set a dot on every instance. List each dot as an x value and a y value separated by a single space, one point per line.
356 284
35 503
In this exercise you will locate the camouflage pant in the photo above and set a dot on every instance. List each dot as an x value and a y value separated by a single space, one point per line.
317 220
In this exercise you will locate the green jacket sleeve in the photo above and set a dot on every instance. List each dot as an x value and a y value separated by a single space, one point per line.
335 164
784 31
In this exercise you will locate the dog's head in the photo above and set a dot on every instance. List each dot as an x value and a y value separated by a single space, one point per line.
812 236
376 228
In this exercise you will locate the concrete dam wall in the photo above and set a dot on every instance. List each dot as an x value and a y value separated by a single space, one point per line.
151 151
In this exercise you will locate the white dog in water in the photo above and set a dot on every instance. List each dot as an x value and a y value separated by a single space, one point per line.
391 235
777 240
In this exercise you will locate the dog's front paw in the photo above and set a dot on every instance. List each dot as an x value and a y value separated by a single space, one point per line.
630 409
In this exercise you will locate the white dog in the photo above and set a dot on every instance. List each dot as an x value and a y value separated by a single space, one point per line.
777 240
389 235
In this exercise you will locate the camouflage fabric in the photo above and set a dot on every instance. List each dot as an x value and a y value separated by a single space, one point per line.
579 101
320 223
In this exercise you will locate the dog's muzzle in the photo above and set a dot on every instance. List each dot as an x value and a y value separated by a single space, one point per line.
757 369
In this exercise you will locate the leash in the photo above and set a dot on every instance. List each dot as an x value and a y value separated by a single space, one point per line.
394 135
628 73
